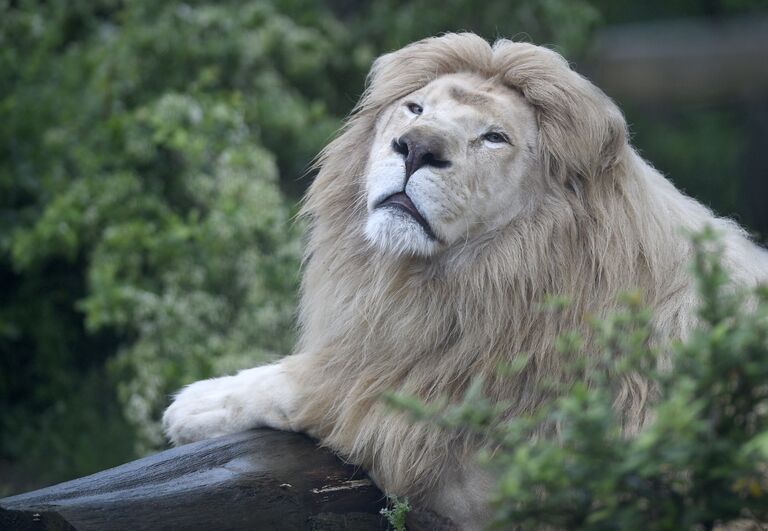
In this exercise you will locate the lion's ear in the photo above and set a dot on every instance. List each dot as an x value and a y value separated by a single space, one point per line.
582 132
408 69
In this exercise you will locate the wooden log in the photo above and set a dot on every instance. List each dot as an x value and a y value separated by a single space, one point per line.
261 479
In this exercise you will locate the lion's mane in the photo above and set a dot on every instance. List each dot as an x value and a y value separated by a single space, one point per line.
372 323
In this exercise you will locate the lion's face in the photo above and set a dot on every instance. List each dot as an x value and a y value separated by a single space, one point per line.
450 161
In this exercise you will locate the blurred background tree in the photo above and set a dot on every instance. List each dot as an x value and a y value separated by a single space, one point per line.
151 160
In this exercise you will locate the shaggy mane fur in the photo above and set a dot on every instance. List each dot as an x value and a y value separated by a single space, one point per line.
374 323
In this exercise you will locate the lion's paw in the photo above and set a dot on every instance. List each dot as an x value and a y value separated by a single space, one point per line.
254 398
203 410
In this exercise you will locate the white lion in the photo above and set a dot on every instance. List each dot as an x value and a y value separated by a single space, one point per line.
469 182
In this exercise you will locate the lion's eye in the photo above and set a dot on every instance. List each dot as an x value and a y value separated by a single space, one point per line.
495 137
415 108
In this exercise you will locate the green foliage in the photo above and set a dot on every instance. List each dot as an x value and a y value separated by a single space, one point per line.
142 218
701 462
565 24
396 511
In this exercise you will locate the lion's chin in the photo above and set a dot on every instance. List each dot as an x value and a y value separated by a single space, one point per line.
395 232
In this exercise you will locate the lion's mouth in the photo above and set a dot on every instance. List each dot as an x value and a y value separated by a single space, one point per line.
400 201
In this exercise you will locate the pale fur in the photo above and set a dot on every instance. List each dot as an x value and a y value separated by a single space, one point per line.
373 322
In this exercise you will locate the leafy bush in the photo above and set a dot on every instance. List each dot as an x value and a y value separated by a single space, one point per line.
701 462
395 512
142 221
564 24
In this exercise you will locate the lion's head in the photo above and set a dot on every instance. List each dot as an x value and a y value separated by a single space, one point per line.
456 139
452 159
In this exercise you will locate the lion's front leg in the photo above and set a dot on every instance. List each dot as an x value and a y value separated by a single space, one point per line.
262 397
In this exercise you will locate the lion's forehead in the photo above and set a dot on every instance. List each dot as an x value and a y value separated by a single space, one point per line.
468 89
472 89
474 101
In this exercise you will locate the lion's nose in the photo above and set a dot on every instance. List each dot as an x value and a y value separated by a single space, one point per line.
420 149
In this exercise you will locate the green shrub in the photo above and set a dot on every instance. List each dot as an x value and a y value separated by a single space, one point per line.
701 462
396 511
143 223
